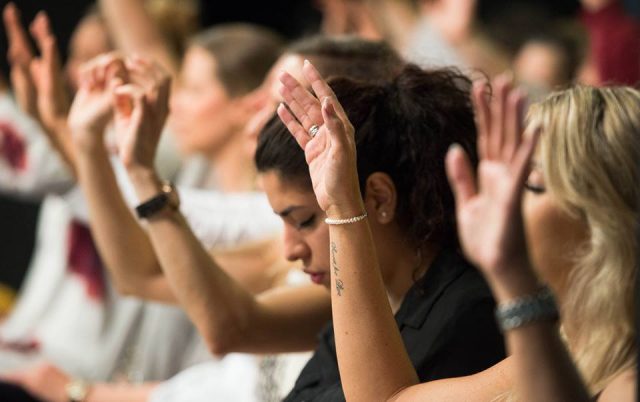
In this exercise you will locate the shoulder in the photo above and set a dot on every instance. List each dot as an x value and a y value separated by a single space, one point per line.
622 388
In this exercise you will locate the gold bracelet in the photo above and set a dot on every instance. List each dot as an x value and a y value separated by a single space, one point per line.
330 221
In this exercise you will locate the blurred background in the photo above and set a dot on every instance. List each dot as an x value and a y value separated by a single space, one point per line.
506 24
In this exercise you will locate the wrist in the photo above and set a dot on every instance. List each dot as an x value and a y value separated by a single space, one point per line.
346 210
77 390
84 139
513 282
145 181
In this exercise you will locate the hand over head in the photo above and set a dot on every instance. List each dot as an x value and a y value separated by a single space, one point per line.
91 109
331 152
141 109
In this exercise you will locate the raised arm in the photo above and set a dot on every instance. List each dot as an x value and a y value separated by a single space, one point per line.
228 317
491 229
135 32
362 316
20 55
124 247
52 98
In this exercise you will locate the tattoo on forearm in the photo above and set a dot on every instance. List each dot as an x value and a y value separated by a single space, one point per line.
336 270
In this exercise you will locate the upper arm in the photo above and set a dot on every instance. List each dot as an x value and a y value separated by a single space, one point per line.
135 32
289 319
481 387
623 388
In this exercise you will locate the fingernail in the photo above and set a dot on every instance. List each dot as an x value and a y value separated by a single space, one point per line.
454 147
306 61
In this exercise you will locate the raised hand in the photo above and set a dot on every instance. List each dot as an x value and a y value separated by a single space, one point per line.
489 215
46 73
92 107
20 55
141 109
331 153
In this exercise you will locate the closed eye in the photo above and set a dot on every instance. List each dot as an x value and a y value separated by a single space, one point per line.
307 223
534 189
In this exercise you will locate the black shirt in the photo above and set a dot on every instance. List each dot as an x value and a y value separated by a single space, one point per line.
447 324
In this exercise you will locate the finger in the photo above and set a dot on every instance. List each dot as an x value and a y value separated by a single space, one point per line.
309 110
20 50
498 116
128 98
513 123
321 88
46 41
333 123
460 175
16 378
482 116
522 159
296 109
298 132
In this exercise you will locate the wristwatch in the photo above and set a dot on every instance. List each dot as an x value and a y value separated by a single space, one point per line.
168 198
77 390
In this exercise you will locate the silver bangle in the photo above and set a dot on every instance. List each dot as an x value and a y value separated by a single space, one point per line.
525 310
330 221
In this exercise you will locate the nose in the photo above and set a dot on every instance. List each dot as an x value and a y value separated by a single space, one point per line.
294 246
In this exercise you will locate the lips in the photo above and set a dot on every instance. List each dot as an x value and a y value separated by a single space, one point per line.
316 277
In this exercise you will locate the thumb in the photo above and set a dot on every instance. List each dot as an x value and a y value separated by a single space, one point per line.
460 175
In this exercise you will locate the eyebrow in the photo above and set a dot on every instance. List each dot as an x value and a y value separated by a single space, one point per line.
285 212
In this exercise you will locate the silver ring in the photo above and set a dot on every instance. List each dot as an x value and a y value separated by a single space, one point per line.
313 130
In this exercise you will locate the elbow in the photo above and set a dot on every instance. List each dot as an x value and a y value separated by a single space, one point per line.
123 287
226 335
221 344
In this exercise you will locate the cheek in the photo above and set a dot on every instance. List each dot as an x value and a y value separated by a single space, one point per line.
319 243
553 238
198 120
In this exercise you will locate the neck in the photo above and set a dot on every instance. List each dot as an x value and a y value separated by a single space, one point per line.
406 267
232 167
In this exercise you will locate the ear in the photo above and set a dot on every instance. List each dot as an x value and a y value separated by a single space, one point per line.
255 100
380 198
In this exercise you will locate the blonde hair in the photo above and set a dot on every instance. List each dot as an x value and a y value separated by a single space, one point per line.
590 149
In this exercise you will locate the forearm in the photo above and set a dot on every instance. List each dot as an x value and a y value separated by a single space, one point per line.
219 306
123 245
110 392
60 138
544 369
227 315
363 320
135 32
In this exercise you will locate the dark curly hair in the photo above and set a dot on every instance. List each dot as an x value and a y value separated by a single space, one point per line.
404 129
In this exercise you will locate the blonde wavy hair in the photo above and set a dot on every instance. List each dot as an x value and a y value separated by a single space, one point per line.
590 150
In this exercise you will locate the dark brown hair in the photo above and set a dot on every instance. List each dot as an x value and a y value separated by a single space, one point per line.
404 129
349 56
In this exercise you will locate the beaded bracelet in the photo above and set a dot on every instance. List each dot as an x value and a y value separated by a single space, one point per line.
355 219
524 310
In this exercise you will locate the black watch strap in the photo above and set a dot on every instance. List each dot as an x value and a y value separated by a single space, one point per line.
157 203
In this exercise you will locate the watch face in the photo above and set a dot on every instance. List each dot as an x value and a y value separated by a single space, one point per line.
77 391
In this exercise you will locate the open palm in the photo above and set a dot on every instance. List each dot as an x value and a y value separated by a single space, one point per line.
489 216
331 153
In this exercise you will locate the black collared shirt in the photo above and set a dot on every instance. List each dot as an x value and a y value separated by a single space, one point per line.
447 324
